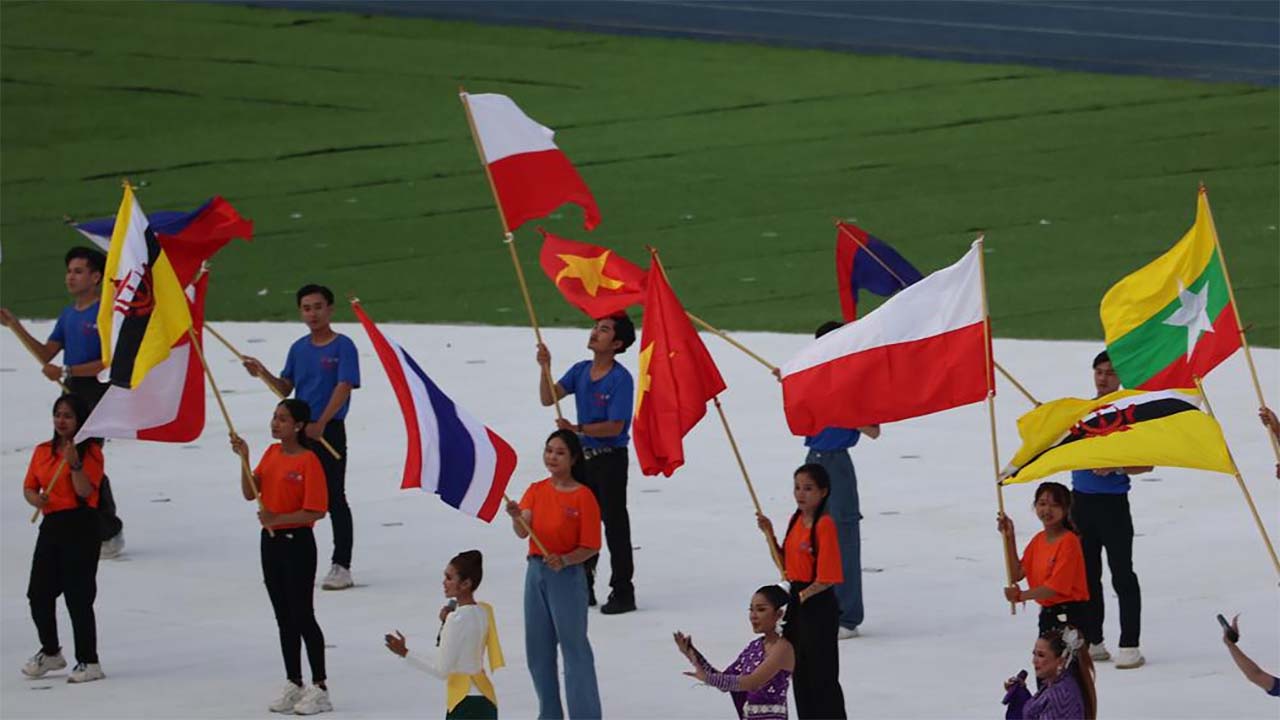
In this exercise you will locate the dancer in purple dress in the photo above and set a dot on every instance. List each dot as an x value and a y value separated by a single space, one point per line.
1064 676
757 681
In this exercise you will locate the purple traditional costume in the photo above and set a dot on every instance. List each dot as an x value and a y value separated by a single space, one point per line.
768 702
1059 699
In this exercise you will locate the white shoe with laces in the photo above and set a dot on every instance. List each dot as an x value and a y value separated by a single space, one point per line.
1128 658
112 547
339 578
40 664
314 700
1098 653
86 672
846 633
289 697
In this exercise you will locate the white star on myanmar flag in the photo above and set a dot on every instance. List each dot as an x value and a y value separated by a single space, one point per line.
1192 314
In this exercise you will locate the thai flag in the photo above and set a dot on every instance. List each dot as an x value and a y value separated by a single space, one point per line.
865 262
449 452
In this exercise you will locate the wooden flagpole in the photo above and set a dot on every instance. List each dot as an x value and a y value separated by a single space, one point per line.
1243 488
528 528
332 451
1235 308
991 408
226 416
769 540
510 240
36 354
840 226
56 473
724 336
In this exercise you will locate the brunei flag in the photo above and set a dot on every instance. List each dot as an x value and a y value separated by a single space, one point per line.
143 310
593 279
1123 429
1173 320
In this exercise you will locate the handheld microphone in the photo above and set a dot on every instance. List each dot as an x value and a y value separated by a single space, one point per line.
1020 678
453 605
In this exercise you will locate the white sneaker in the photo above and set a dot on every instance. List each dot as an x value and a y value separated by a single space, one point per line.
339 578
112 547
1098 653
1129 658
846 633
314 700
40 664
288 698
86 672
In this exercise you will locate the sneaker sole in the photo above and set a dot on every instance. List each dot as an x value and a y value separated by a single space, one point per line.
337 587
1132 666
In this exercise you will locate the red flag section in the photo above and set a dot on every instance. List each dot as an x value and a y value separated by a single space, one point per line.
677 378
593 279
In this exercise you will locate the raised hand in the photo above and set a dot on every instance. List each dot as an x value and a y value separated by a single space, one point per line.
396 643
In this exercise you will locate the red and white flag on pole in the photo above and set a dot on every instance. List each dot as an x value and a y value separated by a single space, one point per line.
920 352
530 174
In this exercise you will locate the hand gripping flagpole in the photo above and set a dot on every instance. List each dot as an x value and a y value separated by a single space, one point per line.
35 354
991 407
226 343
510 240
56 473
528 528
1240 481
1235 308
231 429
840 226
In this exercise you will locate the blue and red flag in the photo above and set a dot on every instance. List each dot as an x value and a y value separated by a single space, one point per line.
865 262
449 453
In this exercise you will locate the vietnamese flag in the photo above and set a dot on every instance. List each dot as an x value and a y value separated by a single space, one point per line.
593 279
677 378
531 176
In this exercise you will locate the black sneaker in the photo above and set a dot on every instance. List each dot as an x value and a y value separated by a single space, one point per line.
591 597
617 605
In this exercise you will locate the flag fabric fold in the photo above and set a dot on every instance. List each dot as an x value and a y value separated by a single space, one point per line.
1122 429
593 279
449 452
920 352
865 262
1172 321
677 378
531 175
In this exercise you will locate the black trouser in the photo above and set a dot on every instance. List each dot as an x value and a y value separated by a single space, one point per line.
607 478
65 563
92 391
289 571
1076 615
811 627
335 476
1104 522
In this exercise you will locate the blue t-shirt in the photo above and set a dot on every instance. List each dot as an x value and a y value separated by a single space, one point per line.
77 332
607 399
832 439
316 371
1091 483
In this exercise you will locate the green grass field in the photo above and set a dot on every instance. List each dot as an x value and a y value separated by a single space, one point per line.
343 138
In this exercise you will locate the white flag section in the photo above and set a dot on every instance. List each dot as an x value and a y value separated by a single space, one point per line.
123 413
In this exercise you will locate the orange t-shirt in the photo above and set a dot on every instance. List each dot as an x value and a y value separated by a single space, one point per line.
798 558
44 461
563 521
1058 566
289 483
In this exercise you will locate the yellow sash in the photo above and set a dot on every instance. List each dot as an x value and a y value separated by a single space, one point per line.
459 684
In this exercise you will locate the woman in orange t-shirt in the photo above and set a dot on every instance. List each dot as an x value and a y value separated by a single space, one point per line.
566 519
811 556
1053 562
62 482
293 497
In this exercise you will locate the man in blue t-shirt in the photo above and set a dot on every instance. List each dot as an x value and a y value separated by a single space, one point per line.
604 393
1100 511
322 369
830 449
75 335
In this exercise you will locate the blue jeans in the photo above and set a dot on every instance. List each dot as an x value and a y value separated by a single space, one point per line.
555 613
842 505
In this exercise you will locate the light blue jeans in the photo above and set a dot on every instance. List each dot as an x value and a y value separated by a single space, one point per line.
842 505
555 613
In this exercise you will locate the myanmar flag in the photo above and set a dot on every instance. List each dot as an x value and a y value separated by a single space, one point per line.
1173 321
1123 429
596 280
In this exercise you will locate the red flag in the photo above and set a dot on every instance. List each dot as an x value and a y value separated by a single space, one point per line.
677 378
593 279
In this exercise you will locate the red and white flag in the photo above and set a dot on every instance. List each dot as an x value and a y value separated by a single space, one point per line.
531 176
918 353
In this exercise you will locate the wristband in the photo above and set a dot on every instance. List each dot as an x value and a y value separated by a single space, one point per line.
66 373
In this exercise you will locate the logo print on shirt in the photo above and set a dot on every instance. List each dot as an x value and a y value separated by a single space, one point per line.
571 512
329 362
601 399
293 476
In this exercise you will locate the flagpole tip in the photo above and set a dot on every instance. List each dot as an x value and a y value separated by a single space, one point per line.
351 297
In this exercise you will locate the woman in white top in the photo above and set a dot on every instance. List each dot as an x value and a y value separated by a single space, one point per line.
468 631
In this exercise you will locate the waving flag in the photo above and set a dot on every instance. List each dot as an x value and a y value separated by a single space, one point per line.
593 279
865 262
677 378
918 353
531 176
1173 321
449 452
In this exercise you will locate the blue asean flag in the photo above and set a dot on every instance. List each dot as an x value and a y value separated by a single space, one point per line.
865 262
